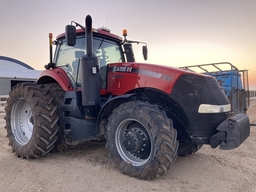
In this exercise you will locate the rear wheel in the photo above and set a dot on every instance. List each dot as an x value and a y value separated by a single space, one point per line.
57 94
31 120
141 140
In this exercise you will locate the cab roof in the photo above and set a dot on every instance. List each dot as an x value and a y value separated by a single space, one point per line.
101 31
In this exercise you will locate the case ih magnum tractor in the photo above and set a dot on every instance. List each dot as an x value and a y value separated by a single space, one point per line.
94 90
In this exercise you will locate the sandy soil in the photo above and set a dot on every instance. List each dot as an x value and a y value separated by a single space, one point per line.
88 168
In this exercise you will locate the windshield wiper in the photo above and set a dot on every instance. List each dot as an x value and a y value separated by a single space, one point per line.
101 43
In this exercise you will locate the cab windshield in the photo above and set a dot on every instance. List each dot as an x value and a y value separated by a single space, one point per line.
67 57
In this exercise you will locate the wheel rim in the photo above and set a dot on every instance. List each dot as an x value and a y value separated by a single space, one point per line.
22 122
133 142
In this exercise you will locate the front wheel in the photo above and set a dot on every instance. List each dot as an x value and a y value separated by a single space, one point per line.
141 140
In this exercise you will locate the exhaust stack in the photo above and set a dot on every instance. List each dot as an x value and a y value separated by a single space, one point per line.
90 71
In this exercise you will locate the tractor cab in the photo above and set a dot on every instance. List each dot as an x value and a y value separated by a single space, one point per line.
107 50
107 47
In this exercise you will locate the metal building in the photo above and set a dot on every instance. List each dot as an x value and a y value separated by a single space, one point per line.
12 72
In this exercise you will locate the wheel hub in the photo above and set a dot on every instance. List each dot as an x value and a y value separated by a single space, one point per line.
133 141
136 141
22 122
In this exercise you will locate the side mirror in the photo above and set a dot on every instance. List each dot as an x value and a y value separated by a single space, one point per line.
145 52
70 34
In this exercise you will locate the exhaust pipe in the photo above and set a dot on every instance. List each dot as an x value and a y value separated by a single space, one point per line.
88 35
90 72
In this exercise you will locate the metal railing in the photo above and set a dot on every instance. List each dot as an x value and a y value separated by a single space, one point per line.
252 93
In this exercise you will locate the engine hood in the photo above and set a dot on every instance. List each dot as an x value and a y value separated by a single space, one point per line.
123 77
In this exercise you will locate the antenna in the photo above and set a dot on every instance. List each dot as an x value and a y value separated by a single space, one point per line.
106 22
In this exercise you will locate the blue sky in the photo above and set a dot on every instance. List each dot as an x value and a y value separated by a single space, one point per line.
178 32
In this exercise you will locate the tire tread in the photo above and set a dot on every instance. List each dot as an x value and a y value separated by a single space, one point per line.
44 114
163 133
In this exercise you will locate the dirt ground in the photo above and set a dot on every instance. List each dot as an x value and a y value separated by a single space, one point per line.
88 168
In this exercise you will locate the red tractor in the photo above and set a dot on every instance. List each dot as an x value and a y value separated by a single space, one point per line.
94 90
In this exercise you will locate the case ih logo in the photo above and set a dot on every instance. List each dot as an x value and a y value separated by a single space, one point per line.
122 69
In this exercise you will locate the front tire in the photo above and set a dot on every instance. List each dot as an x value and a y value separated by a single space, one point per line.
31 120
141 140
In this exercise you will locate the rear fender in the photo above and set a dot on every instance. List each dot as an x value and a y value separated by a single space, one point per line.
56 75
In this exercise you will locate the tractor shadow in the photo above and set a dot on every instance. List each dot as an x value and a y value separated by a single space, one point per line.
92 152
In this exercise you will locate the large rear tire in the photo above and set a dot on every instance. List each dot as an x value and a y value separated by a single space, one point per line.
57 94
141 140
31 120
